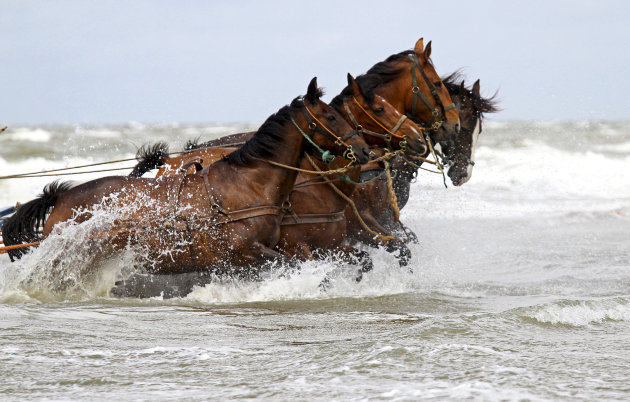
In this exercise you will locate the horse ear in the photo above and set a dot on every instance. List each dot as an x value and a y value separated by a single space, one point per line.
313 93
419 46
352 83
427 51
475 89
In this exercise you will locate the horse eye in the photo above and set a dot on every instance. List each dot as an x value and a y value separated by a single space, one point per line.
380 110
331 117
437 84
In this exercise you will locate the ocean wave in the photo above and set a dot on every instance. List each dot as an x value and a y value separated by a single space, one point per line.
579 313
27 134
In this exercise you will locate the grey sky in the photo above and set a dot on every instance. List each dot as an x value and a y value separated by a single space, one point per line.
227 61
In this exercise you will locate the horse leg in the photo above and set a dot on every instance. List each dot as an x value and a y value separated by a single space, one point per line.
299 250
404 254
405 234
261 254
353 256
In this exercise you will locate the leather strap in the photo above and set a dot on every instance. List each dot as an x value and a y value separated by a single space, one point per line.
289 220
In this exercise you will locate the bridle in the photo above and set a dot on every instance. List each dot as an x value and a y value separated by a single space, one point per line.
387 136
315 125
437 116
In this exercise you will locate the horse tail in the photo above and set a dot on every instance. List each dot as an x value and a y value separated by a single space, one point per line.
193 144
23 226
150 157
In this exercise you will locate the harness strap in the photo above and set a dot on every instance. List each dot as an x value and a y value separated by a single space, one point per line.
399 124
190 224
326 156
435 123
300 219
197 161
360 129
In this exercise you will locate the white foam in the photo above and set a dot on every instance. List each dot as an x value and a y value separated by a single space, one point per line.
27 134
583 312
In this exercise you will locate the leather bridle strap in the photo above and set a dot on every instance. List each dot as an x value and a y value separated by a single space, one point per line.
387 136
437 116
312 126
325 130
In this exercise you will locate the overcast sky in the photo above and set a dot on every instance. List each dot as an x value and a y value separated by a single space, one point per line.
239 61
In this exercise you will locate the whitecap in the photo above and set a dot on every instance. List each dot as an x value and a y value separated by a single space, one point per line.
581 312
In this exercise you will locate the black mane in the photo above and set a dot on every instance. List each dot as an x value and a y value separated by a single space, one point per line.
456 85
268 137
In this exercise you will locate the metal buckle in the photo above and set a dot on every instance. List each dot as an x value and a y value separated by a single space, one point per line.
312 125
403 143
415 89
349 155
216 208
436 126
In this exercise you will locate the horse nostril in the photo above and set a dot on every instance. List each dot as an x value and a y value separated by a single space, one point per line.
457 128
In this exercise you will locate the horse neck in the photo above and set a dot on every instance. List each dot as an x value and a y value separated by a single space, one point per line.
403 174
277 180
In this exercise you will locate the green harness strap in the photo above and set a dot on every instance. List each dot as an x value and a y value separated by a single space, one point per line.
326 155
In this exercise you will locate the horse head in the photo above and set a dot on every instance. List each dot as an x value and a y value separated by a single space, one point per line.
380 123
460 152
431 103
329 129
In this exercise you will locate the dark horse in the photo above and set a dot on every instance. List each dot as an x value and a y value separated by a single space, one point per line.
316 222
223 216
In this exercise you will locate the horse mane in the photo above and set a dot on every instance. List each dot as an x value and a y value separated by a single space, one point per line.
268 137
456 84
381 73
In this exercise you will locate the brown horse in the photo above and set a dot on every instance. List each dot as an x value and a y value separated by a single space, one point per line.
226 215
409 82
316 222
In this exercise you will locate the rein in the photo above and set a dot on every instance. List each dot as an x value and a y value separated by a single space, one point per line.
382 238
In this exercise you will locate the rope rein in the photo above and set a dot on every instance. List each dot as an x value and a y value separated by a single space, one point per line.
392 194
384 239
43 173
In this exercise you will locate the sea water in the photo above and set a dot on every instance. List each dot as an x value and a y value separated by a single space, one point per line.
520 288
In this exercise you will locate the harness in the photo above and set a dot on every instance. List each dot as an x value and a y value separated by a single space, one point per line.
221 216
437 116
387 136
